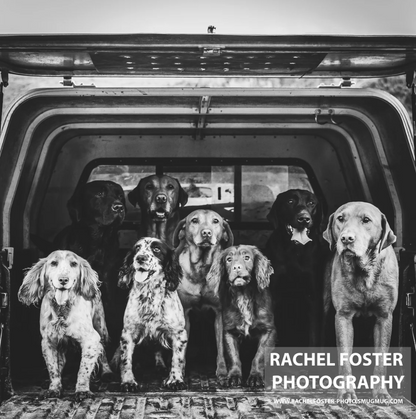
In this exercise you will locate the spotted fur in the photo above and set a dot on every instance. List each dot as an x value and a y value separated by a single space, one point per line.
153 309
71 309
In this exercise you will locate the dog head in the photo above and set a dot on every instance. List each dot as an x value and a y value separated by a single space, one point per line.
357 228
158 196
297 211
99 202
204 229
238 266
149 259
62 276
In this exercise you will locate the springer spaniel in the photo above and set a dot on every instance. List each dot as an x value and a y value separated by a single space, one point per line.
71 309
153 309
241 274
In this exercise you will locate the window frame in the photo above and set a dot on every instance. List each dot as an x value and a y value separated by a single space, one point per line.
161 163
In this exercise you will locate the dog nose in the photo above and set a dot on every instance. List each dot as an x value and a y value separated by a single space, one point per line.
141 258
304 219
63 280
206 233
161 199
237 267
347 238
116 207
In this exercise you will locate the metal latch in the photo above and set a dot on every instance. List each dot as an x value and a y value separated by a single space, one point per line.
4 300
8 256
409 300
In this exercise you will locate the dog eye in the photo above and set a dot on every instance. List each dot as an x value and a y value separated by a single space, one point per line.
340 218
291 201
149 186
229 259
194 220
73 264
156 249
170 186
54 263
366 220
311 203
246 257
215 220
100 194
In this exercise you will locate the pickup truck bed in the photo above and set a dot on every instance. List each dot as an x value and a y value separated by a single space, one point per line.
202 399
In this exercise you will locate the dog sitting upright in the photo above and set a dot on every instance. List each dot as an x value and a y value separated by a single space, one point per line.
295 251
71 309
153 310
241 274
362 278
159 198
198 239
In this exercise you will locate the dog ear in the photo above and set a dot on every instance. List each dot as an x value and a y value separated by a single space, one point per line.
328 234
179 233
32 289
88 283
262 269
126 273
272 216
227 236
387 235
133 196
173 271
74 205
183 196
216 272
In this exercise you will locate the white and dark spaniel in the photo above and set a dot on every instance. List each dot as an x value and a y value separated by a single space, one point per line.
71 309
153 309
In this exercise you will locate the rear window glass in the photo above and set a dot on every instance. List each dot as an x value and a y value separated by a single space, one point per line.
239 193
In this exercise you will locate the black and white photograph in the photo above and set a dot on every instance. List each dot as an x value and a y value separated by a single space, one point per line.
208 210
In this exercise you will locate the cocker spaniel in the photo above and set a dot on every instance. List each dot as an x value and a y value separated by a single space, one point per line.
71 309
241 274
153 309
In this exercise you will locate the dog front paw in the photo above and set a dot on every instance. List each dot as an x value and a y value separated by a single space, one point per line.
381 393
79 396
255 380
348 394
129 387
235 379
51 394
174 384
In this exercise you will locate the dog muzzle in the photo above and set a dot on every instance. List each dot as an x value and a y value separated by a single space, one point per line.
298 236
241 281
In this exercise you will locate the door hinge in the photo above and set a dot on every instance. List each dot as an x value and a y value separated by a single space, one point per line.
203 111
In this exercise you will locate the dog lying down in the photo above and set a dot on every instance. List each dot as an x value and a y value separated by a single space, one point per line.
71 309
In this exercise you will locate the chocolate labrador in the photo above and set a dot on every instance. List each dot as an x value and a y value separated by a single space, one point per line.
362 279
159 198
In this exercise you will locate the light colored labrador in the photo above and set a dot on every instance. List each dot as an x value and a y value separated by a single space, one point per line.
198 238
362 279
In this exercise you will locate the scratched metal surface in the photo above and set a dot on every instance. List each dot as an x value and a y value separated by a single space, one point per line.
202 399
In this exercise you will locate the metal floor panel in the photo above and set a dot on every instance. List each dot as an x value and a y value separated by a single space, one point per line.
235 404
